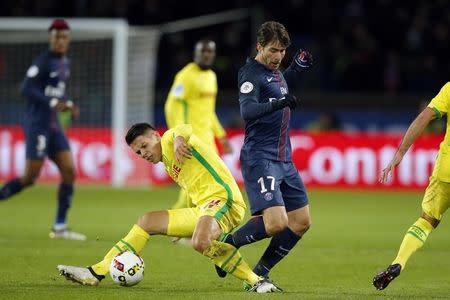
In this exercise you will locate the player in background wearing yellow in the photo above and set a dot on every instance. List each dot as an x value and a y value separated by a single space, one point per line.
218 206
192 100
437 195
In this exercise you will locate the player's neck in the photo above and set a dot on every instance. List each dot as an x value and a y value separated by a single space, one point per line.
203 67
54 53
259 59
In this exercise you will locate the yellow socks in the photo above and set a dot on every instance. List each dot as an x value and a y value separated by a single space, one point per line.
135 241
230 260
414 238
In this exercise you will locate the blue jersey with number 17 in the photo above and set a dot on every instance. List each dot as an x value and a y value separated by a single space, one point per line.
266 131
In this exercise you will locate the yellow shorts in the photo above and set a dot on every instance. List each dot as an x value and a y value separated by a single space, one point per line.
437 198
182 221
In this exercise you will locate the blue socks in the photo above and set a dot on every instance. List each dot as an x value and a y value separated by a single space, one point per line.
279 247
251 232
10 188
65 193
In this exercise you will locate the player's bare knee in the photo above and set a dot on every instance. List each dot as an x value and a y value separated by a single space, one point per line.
200 244
301 227
145 222
68 175
275 226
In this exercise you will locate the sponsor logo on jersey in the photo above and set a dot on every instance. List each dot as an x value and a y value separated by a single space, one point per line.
55 91
176 172
207 94
212 203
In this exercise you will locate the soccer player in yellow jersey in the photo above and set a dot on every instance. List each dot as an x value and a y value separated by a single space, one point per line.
192 100
437 195
217 209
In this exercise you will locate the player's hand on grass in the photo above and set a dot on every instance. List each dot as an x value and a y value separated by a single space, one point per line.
182 149
226 146
302 60
288 100
387 172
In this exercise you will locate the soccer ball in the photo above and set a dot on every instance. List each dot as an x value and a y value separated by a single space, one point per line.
127 268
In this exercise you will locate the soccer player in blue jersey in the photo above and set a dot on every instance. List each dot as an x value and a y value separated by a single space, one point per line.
277 196
44 88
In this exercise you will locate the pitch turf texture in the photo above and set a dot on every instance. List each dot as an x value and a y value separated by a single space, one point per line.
354 235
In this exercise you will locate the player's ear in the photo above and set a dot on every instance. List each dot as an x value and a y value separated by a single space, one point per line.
259 47
157 135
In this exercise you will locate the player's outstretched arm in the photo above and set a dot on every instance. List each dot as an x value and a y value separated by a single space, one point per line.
302 60
414 131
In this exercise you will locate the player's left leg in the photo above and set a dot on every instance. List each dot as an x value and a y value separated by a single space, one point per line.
435 202
151 223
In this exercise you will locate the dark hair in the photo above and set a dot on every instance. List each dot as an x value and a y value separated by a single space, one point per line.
273 31
59 24
137 130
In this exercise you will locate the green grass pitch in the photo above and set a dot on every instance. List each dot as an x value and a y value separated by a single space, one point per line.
354 234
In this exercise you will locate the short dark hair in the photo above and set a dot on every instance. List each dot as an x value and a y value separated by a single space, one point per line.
137 130
59 24
273 31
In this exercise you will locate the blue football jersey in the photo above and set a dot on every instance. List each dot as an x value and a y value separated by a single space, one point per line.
266 130
45 79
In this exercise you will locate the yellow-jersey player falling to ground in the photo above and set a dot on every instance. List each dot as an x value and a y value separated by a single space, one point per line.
192 100
217 208
437 195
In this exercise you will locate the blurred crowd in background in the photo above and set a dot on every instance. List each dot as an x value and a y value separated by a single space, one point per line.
388 47
379 45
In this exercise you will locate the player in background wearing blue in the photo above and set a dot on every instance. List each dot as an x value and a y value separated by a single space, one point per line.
277 196
44 88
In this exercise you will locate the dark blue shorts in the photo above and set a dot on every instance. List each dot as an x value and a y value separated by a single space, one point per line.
43 143
272 183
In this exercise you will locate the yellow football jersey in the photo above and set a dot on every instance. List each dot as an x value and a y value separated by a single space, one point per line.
440 104
192 100
205 176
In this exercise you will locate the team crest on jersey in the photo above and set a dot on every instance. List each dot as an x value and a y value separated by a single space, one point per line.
246 87
268 196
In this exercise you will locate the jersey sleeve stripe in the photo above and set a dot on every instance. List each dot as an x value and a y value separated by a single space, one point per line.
437 112
185 111
219 180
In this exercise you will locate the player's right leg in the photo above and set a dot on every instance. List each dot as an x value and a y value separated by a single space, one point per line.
32 169
36 151
152 223
435 202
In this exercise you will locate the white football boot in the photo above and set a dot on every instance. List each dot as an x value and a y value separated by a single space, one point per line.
66 234
78 274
